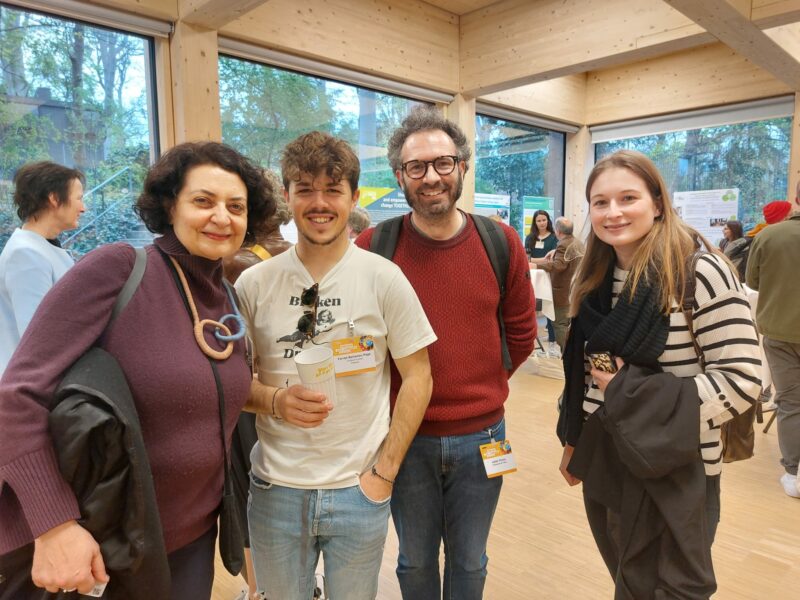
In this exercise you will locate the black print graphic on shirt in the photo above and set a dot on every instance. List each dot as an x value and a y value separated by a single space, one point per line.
325 321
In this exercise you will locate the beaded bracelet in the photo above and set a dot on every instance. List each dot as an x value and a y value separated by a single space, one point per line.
379 476
274 396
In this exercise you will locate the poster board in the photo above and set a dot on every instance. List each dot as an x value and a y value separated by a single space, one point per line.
494 206
708 210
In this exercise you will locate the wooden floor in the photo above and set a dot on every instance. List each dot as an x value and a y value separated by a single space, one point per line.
540 547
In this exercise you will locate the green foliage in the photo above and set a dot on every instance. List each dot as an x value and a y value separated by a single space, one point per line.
753 157
264 108
73 94
513 159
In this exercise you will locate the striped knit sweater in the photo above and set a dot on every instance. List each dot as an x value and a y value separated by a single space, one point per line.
724 330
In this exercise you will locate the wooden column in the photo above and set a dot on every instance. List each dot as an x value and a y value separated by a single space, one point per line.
579 163
794 154
462 111
195 83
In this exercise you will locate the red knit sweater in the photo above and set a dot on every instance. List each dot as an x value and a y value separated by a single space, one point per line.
457 287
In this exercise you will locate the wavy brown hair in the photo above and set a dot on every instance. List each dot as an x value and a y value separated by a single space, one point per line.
316 153
662 256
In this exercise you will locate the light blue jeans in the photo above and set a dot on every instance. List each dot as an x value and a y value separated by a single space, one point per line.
290 527
442 494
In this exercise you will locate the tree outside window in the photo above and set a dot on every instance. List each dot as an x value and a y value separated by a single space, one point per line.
76 94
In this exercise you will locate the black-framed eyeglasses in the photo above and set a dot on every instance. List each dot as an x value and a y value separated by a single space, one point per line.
309 298
443 165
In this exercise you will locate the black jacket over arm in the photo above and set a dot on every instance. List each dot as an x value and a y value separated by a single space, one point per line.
639 459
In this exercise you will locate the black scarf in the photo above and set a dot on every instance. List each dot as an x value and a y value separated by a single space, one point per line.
635 330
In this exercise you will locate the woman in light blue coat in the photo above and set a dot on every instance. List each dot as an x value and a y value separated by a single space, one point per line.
49 200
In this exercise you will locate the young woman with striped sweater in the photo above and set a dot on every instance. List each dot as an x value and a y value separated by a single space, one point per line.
626 301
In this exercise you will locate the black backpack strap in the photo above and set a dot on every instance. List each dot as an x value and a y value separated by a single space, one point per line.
496 245
131 285
384 238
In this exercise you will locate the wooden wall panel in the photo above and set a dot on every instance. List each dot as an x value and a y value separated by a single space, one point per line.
517 42
409 41
708 76
562 99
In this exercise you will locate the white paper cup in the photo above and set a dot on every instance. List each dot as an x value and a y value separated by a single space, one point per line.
315 367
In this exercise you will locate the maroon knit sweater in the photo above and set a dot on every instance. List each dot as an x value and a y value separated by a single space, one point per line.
458 290
170 379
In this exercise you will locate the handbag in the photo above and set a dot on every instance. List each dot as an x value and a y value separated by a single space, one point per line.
737 434
231 537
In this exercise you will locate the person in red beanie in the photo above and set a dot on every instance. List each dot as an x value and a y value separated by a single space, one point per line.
776 211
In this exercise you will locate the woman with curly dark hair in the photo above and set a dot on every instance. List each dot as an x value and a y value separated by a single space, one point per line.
206 200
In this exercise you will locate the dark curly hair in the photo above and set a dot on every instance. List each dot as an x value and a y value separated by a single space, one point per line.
35 182
426 118
166 177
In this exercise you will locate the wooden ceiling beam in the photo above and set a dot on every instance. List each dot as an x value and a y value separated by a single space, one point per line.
729 22
214 14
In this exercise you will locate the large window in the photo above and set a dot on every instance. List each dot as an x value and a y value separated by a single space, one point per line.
264 108
77 95
752 157
520 167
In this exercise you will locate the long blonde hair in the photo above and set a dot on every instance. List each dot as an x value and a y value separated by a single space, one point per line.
663 252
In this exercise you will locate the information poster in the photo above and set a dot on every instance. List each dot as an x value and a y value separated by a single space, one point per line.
494 206
530 204
383 203
708 210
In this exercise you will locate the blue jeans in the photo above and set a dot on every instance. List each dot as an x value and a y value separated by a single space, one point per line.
290 527
442 494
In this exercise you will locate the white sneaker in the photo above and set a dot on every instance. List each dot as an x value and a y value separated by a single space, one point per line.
553 350
790 486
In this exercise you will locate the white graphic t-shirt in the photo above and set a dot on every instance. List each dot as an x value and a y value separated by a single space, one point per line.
363 295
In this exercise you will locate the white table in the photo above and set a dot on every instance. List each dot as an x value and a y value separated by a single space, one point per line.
543 291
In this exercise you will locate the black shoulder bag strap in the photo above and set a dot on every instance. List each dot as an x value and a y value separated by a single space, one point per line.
496 245
231 539
384 238
131 285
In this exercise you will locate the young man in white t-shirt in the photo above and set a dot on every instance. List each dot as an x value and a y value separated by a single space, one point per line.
323 471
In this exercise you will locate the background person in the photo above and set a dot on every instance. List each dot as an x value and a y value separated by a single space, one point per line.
49 201
626 301
562 268
730 232
539 244
203 198
270 242
359 221
736 246
772 271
